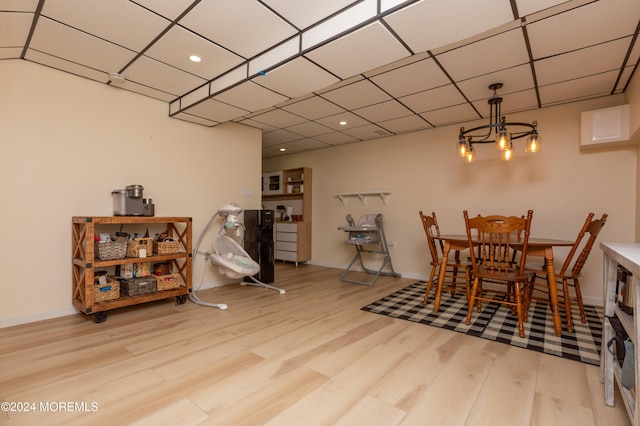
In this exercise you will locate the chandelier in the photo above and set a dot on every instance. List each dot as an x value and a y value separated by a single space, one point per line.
496 132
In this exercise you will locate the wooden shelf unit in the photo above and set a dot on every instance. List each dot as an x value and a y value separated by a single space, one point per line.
628 256
300 180
85 263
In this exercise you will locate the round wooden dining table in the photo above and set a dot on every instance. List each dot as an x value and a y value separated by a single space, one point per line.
537 247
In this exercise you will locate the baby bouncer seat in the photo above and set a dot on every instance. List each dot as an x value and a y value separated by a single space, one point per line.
233 261
368 238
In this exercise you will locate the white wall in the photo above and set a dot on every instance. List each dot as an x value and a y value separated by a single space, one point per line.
561 184
67 142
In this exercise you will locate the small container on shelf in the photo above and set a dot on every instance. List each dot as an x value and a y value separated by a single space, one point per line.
138 286
166 247
137 244
109 290
110 250
167 282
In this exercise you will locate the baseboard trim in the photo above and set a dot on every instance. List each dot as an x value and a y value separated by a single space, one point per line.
37 316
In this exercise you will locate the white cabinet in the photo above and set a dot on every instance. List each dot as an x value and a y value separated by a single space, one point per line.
289 245
628 256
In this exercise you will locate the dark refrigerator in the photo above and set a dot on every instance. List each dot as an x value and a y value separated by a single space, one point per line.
258 242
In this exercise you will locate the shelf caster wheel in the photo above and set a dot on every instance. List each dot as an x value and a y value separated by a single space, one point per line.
181 300
99 317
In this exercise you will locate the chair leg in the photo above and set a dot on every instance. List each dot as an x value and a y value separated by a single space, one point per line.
429 285
518 301
576 285
529 289
453 281
472 299
467 283
567 305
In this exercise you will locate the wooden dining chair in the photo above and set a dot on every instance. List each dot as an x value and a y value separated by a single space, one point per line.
569 273
456 271
492 241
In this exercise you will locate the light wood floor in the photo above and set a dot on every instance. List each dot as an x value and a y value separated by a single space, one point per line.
309 357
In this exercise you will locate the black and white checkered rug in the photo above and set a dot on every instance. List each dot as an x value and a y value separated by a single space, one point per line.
496 322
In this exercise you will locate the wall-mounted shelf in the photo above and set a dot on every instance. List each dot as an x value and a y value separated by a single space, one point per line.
362 196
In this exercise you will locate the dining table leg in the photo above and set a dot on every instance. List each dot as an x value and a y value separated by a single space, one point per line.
441 276
553 290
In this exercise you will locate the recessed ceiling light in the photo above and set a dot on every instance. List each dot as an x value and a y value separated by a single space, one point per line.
195 58
343 123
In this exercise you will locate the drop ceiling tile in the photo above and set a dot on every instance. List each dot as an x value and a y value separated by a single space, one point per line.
273 151
417 57
257 125
136 27
495 53
405 124
336 138
312 12
215 111
310 129
551 36
383 111
308 144
430 24
296 78
249 96
339 84
269 143
10 52
370 131
145 90
314 108
527 7
511 102
14 28
170 9
288 149
351 119
245 27
279 118
281 136
455 114
416 77
581 63
175 47
582 88
75 46
67 66
19 5
356 95
161 76
359 51
440 97
513 79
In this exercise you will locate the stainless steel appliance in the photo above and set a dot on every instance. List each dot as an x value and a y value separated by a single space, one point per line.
129 202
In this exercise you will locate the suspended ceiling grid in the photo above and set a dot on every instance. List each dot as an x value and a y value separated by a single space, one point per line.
298 68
